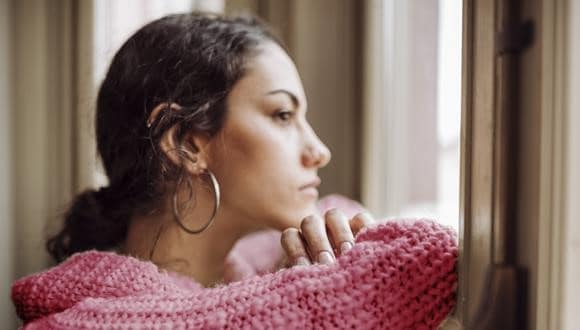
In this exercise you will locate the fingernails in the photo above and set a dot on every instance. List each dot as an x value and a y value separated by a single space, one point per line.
325 257
345 246
302 261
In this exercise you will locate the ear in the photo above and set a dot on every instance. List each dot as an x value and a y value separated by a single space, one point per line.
189 152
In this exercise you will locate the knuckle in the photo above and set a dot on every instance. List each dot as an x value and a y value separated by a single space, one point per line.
336 219
309 222
332 212
333 216
289 232
288 235
362 217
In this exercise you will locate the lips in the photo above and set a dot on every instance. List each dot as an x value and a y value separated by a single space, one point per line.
312 184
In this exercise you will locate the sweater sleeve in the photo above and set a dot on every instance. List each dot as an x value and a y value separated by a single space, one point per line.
399 275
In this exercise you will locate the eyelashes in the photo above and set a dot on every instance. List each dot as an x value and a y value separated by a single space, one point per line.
284 116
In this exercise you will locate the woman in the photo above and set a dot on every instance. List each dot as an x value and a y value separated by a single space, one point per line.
202 130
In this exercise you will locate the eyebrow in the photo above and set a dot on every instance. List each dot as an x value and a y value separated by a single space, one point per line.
292 96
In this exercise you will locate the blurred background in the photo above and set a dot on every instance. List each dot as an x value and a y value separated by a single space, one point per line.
383 81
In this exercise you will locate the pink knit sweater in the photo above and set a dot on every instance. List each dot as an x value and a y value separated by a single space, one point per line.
399 275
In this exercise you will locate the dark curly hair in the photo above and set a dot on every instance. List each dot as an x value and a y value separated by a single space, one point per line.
190 59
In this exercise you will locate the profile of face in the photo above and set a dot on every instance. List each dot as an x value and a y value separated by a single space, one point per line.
266 156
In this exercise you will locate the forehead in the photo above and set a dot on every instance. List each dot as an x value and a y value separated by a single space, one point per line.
270 69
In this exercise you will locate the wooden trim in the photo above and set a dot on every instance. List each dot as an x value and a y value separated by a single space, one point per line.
476 204
465 163
492 288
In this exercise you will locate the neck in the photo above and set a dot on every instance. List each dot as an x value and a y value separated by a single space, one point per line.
160 239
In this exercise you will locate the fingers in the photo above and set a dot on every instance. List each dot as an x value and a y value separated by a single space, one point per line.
341 235
313 229
360 221
294 246
318 240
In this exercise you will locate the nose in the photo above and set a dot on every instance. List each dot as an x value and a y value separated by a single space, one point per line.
315 153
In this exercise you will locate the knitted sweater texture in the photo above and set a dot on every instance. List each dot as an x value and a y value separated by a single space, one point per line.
398 275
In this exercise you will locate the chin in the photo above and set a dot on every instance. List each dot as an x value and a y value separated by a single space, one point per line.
294 216
289 221
310 210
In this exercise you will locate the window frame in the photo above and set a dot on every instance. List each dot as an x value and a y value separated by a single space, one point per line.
511 261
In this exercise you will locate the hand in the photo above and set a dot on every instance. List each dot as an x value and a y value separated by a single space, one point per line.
320 240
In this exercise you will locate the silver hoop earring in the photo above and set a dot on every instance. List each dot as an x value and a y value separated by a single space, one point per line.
216 193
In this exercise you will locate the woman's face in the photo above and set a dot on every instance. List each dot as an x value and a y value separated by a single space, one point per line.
267 152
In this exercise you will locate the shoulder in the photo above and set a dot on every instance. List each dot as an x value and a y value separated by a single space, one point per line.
87 275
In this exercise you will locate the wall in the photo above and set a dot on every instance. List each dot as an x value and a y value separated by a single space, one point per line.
7 319
325 45
323 38
35 141
570 315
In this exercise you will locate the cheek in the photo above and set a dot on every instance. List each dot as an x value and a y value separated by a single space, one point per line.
257 149
259 171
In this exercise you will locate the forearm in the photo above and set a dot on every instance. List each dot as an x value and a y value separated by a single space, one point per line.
396 276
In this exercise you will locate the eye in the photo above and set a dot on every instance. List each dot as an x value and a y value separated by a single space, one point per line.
284 115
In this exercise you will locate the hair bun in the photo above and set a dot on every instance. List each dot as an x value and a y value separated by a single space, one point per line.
89 224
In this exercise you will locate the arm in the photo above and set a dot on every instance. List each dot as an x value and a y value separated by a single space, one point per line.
398 275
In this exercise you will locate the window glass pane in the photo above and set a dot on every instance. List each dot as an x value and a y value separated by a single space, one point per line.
422 108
